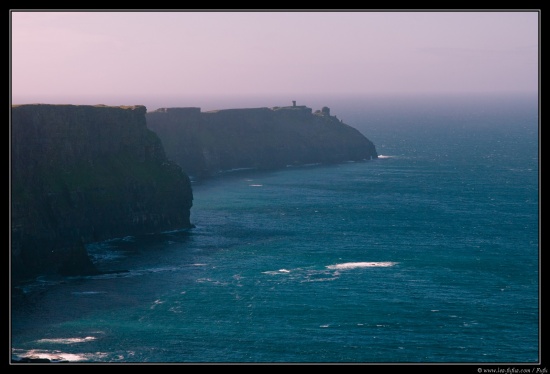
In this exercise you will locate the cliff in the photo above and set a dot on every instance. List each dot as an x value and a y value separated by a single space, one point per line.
86 173
205 143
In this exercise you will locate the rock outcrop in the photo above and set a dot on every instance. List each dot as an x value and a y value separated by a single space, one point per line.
205 143
87 173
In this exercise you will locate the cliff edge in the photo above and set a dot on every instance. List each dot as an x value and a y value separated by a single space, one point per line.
84 173
206 143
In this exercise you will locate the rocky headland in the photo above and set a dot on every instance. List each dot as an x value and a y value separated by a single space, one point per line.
82 174
206 143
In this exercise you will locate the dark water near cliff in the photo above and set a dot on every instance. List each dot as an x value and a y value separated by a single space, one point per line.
429 254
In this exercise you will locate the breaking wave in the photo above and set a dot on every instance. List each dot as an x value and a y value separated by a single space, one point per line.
353 265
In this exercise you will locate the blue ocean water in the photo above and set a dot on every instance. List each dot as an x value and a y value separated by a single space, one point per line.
429 254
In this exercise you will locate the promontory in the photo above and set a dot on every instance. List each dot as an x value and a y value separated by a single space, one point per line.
206 143
81 174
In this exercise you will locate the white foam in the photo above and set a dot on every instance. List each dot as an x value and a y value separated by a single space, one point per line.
353 265
67 340
56 355
384 156
156 303
276 272
255 185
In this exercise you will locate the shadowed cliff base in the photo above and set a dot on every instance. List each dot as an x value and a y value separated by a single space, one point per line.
207 143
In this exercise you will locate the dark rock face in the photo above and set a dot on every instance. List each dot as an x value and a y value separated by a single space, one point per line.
205 143
87 173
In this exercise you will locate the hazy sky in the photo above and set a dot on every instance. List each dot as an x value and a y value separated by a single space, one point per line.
69 55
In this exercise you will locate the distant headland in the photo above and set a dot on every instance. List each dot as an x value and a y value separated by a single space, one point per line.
206 143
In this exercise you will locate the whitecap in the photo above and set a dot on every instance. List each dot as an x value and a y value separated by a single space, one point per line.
56 356
276 272
353 265
256 185
67 340
384 156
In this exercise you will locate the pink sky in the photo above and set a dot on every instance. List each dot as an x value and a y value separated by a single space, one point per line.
69 56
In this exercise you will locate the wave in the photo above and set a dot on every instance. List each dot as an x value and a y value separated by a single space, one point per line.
385 156
55 355
67 340
316 275
353 265
273 272
305 275
255 185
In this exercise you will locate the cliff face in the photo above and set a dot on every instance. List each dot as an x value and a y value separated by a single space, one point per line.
205 143
86 173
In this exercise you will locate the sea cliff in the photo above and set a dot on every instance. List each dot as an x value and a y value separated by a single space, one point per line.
206 143
84 173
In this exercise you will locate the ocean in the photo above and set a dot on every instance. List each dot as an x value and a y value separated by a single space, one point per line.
429 254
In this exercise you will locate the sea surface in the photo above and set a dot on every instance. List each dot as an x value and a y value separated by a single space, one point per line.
429 254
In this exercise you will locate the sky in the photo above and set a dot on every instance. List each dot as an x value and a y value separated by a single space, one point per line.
80 57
